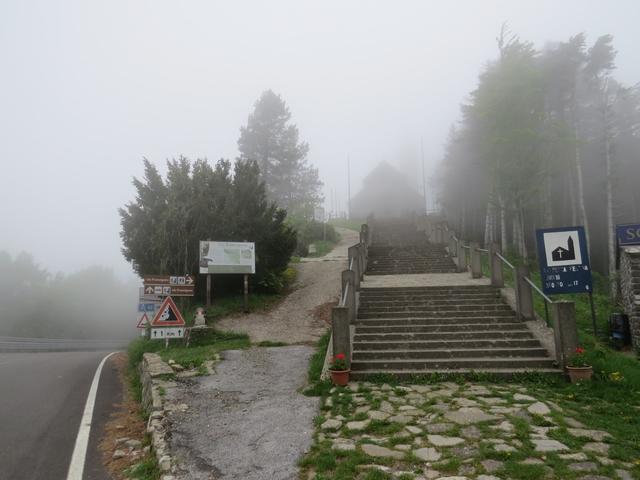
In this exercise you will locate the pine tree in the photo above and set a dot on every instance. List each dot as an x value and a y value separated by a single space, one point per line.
273 142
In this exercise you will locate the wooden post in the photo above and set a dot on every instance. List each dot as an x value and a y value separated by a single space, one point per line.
246 293
524 294
564 330
208 299
462 257
476 263
495 264
341 332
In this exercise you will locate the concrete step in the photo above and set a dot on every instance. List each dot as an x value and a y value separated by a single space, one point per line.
440 309
433 299
380 322
362 314
446 353
475 363
368 303
364 345
440 327
469 334
408 375
432 289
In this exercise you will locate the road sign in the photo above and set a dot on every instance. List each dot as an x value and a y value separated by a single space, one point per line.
148 306
170 332
148 297
168 315
628 234
564 260
168 290
318 214
181 280
227 257
143 321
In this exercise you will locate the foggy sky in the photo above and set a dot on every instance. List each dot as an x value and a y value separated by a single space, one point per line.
88 88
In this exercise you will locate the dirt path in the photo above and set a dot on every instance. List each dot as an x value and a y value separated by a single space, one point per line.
293 321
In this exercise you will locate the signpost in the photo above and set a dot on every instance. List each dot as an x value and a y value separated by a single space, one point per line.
167 333
564 263
184 280
227 257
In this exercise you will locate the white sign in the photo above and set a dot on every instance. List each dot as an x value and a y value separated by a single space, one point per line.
227 257
167 332
562 248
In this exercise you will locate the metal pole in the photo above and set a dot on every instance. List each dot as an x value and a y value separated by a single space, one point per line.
593 315
424 183
348 187
208 299
246 293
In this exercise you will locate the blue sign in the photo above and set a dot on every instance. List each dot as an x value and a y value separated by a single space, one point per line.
628 234
564 260
147 307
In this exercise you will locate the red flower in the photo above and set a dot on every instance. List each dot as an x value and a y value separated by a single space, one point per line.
579 350
340 356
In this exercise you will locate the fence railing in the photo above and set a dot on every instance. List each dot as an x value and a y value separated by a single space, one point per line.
345 314
467 257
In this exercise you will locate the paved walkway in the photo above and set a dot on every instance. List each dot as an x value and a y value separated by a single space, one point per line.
423 280
471 431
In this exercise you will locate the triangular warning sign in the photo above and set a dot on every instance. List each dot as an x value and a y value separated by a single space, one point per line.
168 315
143 322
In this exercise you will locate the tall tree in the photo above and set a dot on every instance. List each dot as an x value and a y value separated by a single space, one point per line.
270 139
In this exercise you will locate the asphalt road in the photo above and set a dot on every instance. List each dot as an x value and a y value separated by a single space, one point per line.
42 398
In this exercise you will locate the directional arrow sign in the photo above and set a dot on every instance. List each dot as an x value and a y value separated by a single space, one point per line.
168 280
168 315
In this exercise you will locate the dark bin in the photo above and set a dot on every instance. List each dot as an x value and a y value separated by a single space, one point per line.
619 329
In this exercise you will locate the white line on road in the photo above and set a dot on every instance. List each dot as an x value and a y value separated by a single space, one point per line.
76 467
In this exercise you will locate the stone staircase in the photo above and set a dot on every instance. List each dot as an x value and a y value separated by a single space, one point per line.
426 258
408 331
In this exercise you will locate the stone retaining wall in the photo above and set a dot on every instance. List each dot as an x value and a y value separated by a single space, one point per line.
629 275
156 377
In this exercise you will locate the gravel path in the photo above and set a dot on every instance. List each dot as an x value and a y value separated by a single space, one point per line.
248 420
293 321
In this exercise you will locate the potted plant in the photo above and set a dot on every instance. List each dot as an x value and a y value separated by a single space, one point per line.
578 368
339 370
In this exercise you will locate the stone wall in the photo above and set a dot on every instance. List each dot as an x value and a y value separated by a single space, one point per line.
629 275
156 377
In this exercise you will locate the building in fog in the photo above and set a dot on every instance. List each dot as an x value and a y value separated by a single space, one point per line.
386 192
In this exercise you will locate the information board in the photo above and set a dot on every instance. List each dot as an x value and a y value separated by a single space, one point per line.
564 260
227 257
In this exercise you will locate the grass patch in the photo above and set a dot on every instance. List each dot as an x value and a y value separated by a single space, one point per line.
204 346
147 469
269 343
322 248
318 387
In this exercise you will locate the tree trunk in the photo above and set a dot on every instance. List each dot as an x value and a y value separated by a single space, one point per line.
610 227
581 202
503 225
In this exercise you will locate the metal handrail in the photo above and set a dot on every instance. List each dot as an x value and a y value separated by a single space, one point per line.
505 261
546 299
482 250
466 246
537 289
343 301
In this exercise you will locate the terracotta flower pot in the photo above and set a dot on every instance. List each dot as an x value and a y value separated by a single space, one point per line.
577 374
340 377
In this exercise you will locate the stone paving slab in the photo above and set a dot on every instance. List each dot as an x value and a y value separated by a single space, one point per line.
423 280
471 431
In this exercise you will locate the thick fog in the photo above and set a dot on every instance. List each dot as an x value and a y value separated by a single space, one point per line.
90 88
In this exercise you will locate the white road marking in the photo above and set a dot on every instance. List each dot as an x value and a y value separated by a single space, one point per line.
76 467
